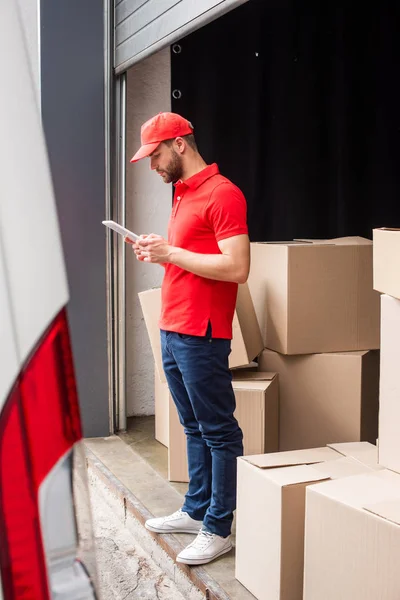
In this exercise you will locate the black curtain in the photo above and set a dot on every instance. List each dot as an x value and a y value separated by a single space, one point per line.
300 107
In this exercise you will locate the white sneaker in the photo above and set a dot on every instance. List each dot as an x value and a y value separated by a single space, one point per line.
178 522
204 549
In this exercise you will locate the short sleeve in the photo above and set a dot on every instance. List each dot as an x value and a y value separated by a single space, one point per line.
226 211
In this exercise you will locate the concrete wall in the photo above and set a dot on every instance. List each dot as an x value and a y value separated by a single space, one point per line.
148 203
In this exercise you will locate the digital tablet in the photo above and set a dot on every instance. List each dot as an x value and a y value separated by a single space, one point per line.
121 230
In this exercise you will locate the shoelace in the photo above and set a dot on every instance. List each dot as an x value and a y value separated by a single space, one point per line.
202 539
175 515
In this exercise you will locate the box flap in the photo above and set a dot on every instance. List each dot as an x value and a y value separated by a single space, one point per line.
293 475
387 229
252 366
342 467
364 452
355 353
389 510
281 243
343 241
251 386
351 241
291 458
253 376
250 329
314 242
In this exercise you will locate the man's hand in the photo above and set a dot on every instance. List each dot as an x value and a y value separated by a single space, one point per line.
135 247
152 248
232 264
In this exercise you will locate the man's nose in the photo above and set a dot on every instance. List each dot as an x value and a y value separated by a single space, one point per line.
153 166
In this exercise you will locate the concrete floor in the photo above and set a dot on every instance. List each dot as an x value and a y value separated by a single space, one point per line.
119 566
139 462
140 437
126 572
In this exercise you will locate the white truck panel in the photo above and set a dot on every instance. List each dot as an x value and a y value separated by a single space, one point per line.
28 221
9 365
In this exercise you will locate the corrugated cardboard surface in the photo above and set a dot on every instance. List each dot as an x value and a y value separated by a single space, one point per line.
150 301
270 517
389 412
342 467
269 532
161 406
246 343
389 510
324 398
268 285
249 327
363 452
352 539
258 562
387 261
257 411
307 456
253 374
177 452
315 297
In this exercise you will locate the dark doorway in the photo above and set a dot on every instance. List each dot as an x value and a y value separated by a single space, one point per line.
299 105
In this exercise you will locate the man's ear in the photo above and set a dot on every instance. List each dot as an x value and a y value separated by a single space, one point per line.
180 145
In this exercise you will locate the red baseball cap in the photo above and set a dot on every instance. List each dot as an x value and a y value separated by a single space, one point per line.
164 126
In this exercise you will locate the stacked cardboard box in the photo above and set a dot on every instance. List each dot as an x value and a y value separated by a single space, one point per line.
387 281
256 393
161 409
246 343
257 411
330 397
352 526
319 318
271 512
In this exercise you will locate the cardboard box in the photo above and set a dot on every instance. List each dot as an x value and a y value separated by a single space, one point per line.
150 301
389 411
315 296
161 409
363 452
352 538
387 261
246 343
325 397
270 516
257 411
177 451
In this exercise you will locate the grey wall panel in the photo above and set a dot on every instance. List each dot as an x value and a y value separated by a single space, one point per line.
126 8
144 28
72 88
139 20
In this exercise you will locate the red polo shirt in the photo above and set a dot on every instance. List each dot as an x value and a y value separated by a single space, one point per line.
207 208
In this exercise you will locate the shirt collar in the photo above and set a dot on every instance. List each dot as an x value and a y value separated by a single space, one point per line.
198 179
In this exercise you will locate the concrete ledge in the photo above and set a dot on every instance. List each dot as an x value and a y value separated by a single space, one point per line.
193 582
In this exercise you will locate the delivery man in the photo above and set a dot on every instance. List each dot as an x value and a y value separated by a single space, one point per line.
206 256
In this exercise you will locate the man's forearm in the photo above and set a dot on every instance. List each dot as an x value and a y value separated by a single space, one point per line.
221 267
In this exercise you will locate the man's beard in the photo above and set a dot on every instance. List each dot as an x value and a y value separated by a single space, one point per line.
174 169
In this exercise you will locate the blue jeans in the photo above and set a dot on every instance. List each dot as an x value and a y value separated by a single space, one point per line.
200 383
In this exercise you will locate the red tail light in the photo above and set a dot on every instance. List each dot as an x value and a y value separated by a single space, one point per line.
39 423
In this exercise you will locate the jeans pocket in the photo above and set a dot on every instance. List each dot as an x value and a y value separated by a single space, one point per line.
184 336
194 340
